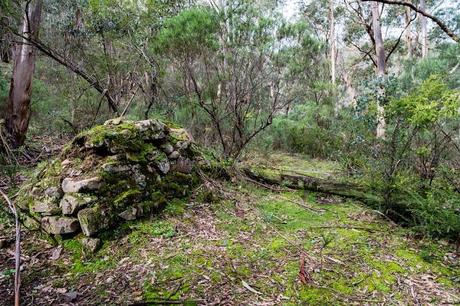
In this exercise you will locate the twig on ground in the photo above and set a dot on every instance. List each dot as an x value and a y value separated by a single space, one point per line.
17 276
266 186
385 216
307 206
346 227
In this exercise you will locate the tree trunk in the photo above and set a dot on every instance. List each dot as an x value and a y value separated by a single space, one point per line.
408 35
305 182
18 103
351 94
333 47
379 49
380 60
423 29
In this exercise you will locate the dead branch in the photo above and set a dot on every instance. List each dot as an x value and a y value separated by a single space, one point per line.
266 186
362 228
130 101
61 59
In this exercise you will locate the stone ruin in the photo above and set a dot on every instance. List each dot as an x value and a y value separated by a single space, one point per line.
115 172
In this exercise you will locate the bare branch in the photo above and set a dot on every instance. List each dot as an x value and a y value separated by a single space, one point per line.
399 38
61 59
366 53
17 253
441 24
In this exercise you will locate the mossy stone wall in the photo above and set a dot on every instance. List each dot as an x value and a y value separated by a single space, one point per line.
118 171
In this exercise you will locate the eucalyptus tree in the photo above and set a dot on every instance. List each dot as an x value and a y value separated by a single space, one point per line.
19 98
333 44
343 26
380 60
324 18
365 24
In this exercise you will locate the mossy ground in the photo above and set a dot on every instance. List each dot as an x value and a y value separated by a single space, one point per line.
295 163
255 247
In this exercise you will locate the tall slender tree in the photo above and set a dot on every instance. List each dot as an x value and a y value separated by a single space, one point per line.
423 29
332 39
380 60
18 103
408 34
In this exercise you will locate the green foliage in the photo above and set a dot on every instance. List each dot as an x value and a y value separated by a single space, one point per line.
7 272
175 207
443 62
47 107
420 143
306 129
232 70
188 32
431 103
437 212
157 228
4 86
84 263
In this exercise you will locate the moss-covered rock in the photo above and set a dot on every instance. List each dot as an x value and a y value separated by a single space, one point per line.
45 206
94 219
60 225
118 171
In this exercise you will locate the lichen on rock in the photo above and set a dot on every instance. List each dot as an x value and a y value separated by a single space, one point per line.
118 171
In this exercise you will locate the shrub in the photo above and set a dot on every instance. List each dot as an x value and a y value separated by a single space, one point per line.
437 213
307 129
421 144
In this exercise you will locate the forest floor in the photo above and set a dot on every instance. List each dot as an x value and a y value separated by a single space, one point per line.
253 247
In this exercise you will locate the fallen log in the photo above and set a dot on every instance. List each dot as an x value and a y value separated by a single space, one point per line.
306 182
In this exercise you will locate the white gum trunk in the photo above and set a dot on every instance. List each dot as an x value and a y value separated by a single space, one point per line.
380 59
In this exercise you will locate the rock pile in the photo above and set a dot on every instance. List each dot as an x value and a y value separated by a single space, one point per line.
119 171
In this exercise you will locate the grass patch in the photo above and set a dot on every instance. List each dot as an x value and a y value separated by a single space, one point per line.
80 264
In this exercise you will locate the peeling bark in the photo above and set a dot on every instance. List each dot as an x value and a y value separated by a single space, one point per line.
18 102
